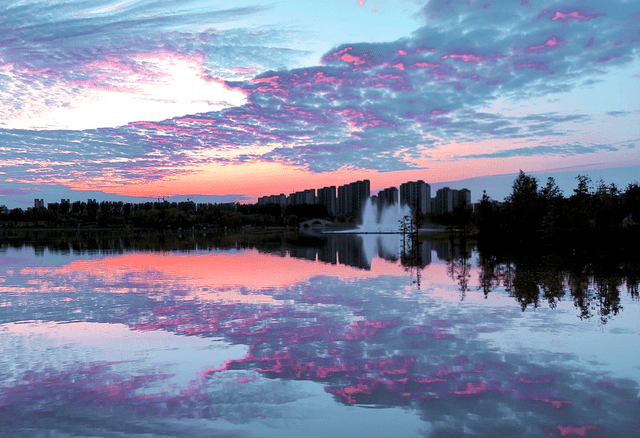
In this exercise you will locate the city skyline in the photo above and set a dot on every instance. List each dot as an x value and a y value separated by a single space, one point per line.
140 100
501 184
354 195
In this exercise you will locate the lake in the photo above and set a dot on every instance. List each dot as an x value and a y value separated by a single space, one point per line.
340 336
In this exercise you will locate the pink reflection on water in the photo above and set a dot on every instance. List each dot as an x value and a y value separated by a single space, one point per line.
334 335
365 386
544 398
212 276
367 329
356 354
95 384
475 388
522 378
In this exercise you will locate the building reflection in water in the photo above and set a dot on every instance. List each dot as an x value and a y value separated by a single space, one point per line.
358 250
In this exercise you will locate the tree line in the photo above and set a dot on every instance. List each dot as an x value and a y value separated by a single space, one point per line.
601 217
593 218
160 215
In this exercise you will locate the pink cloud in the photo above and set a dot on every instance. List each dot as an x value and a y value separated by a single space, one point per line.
360 119
390 76
438 122
361 2
270 80
390 81
534 65
352 59
465 58
321 77
343 55
423 65
575 14
336 55
549 43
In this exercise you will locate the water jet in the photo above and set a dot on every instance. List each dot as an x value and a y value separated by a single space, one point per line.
383 221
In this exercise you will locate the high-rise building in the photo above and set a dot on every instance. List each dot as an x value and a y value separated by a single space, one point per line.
344 199
65 206
303 197
444 200
447 199
388 196
351 197
464 196
280 200
38 203
455 198
416 194
327 197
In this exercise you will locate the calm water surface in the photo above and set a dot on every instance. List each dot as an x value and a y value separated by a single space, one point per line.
340 339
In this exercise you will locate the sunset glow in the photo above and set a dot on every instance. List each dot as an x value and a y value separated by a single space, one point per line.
151 87
132 100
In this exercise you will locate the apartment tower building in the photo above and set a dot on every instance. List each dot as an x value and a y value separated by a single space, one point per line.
416 194
351 197
388 196
327 197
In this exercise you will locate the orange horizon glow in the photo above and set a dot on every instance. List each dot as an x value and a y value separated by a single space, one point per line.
262 178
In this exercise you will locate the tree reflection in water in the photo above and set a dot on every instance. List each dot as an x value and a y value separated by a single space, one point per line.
594 286
459 268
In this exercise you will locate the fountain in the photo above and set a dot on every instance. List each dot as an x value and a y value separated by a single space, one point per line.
385 221
380 229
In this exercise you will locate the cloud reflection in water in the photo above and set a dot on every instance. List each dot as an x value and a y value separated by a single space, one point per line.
363 336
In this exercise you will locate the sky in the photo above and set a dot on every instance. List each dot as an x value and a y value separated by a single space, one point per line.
228 101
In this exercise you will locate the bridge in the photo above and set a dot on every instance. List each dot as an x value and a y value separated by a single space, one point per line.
315 224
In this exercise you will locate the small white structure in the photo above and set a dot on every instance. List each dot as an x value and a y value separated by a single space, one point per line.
315 224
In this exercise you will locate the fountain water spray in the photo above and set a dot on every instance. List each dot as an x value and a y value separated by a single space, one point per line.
386 220
381 230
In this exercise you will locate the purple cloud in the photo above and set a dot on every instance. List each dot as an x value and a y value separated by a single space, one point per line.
364 100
